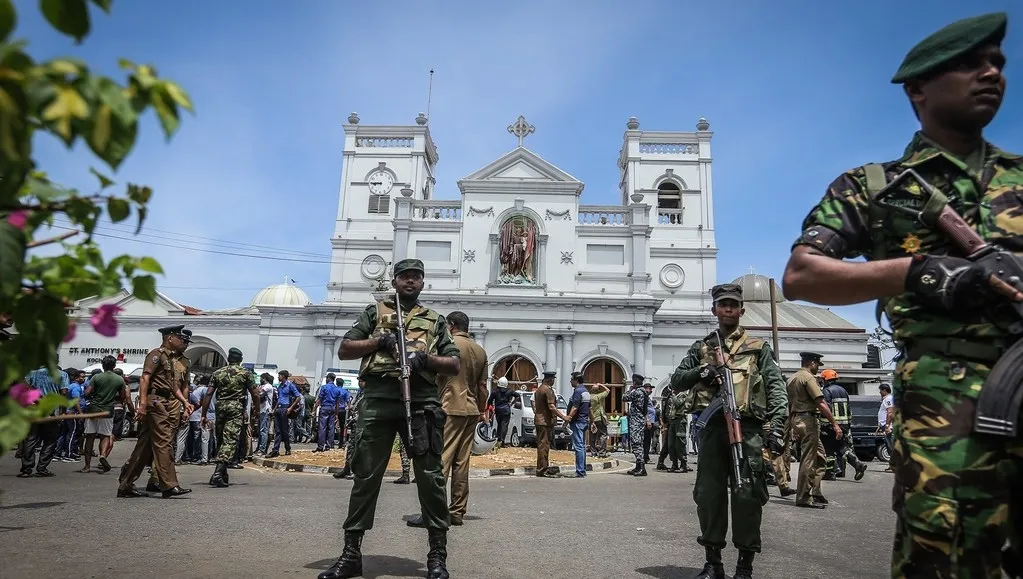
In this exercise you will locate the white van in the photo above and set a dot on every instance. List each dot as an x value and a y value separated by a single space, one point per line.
522 431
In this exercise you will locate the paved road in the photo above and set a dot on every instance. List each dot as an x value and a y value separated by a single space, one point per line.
277 524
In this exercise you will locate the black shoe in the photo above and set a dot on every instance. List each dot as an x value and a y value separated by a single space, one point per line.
819 499
436 559
744 567
685 468
44 473
152 487
219 478
175 492
633 471
25 474
860 471
349 564
788 492
640 472
416 521
235 466
713 569
810 505
132 493
104 465
274 454
403 480
345 473
660 466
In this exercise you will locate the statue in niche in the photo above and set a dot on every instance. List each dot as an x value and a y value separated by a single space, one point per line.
518 251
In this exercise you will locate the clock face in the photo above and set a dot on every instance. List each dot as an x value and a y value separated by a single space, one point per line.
380 182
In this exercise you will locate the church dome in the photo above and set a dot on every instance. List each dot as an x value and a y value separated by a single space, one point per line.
757 288
281 295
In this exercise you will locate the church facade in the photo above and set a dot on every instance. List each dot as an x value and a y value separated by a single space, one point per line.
549 282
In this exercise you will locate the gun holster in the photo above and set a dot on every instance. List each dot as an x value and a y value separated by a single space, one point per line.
1001 398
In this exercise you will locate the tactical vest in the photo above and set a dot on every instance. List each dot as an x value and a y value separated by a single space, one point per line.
750 393
420 335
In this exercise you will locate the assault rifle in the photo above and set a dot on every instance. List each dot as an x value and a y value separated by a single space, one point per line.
725 400
406 370
999 402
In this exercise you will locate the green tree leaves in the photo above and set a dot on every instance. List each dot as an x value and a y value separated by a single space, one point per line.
12 259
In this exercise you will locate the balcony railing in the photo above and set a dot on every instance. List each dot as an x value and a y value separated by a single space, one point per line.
384 142
437 211
610 216
669 216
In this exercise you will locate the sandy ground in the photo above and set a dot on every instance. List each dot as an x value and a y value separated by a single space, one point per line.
508 457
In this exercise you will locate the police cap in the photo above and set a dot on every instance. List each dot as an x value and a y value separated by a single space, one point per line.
726 291
547 375
810 356
409 265
179 331
951 42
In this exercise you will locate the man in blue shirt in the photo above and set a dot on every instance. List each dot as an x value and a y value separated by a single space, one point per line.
288 399
342 410
42 435
71 428
327 400
579 419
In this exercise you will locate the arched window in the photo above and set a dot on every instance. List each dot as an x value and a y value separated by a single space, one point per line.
606 371
520 372
669 196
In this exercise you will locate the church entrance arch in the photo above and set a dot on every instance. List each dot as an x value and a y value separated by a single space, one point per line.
205 359
606 371
518 369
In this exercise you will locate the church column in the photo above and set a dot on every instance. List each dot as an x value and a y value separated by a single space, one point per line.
640 228
541 256
480 334
551 363
402 221
566 363
639 352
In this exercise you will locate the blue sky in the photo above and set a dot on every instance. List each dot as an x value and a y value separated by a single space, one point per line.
795 91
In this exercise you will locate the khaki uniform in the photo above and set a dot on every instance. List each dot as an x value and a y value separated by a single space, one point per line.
167 372
544 420
458 398
803 395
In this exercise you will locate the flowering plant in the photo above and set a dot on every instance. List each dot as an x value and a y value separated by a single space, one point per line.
64 99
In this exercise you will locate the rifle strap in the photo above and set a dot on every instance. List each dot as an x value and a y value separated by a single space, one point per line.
876 182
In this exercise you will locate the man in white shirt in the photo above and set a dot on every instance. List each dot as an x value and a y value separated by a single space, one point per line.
266 400
885 419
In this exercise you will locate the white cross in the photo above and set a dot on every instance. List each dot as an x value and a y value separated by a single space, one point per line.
520 128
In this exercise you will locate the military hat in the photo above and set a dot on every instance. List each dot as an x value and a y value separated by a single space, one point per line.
806 356
726 291
409 265
952 41
234 353
547 374
179 331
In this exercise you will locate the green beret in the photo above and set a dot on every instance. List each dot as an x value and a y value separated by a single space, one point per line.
950 42
408 265
726 291
234 353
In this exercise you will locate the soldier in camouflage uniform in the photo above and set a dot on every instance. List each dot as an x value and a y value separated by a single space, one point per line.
430 351
352 424
675 441
230 384
954 489
761 397
639 421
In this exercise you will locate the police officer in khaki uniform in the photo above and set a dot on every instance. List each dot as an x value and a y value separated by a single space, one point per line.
544 412
163 393
430 352
806 401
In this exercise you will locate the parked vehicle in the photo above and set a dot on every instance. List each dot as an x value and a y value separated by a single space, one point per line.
868 440
522 431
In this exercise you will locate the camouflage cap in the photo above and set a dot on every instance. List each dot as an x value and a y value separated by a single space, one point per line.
409 265
952 41
726 291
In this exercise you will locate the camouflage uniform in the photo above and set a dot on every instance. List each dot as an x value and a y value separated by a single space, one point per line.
953 488
352 424
638 404
231 383
678 406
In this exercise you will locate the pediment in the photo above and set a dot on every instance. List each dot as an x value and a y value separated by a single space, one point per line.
133 306
521 164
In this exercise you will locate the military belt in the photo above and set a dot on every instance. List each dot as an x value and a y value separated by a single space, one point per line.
163 392
988 351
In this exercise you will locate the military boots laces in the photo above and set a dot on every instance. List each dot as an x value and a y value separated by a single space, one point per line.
349 564
436 559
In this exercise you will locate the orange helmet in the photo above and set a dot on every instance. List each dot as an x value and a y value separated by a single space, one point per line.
829 374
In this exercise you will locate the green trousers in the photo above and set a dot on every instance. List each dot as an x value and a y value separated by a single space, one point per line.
677 440
228 428
379 420
713 474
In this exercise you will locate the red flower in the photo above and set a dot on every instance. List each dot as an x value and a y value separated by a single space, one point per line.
104 321
18 218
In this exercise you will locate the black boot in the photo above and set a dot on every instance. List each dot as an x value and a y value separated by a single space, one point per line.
714 569
349 564
661 466
744 567
641 471
227 479
219 478
436 560
403 480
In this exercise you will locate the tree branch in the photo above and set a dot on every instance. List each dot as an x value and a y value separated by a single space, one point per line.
56 239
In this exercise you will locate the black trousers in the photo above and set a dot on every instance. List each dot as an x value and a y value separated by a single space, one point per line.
648 436
41 436
502 426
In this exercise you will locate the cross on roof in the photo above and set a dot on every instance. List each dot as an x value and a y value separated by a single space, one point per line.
751 269
520 128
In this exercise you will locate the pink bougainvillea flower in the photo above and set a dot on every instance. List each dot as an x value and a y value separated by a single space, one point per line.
24 394
104 321
18 218
72 330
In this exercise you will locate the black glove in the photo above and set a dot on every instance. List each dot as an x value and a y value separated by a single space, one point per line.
949 283
775 443
416 361
709 375
386 342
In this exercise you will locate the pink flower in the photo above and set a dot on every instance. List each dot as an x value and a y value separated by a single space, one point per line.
72 330
18 218
104 321
24 394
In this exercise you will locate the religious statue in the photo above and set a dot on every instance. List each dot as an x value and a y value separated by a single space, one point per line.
518 251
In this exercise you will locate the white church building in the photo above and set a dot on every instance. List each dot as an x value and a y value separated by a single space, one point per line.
549 282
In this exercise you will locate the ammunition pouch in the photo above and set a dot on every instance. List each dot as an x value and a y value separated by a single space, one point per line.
427 431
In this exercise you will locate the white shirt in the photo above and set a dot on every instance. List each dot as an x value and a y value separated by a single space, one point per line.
266 391
882 413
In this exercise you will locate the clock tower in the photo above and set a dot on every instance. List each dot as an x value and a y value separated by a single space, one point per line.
379 162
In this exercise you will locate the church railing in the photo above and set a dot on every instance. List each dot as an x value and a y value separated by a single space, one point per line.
384 142
437 210
599 215
669 216
669 148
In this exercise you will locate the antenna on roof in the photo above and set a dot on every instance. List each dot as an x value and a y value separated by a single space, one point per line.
429 95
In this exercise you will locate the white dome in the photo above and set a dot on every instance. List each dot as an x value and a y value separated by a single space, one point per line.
757 288
281 294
